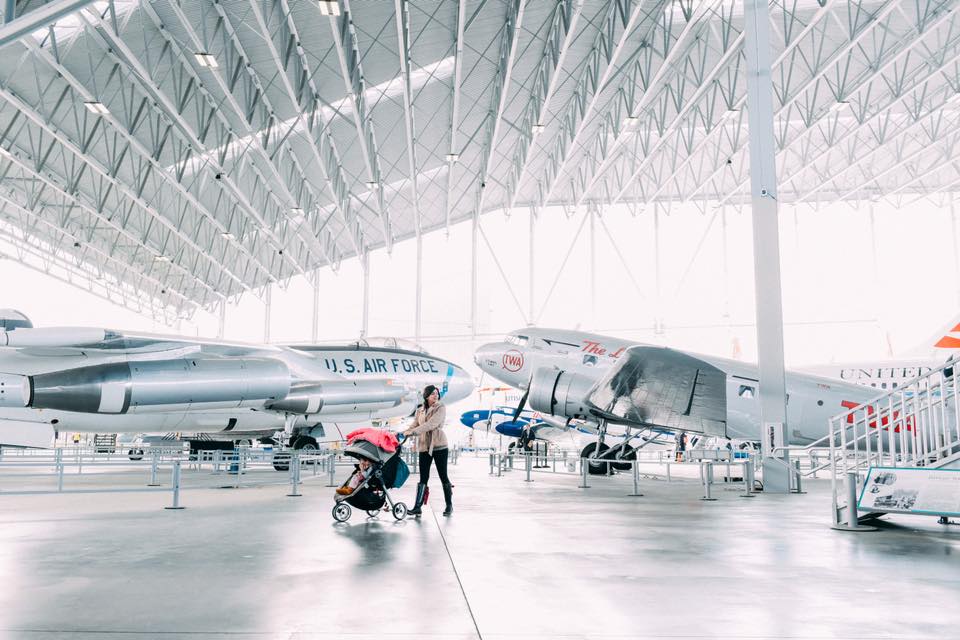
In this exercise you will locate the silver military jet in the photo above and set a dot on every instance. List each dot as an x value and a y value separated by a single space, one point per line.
79 379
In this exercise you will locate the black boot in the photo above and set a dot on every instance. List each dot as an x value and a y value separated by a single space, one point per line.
448 498
421 490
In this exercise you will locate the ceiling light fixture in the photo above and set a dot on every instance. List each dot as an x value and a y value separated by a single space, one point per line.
329 7
96 107
630 121
161 258
453 157
227 235
537 128
373 186
839 104
207 60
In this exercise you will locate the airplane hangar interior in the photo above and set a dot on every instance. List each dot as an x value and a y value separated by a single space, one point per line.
495 319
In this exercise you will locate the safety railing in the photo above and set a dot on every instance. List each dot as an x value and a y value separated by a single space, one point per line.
914 425
563 463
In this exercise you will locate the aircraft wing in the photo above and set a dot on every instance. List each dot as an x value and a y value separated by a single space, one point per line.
665 388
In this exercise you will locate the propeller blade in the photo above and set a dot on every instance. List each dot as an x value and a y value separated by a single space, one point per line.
523 403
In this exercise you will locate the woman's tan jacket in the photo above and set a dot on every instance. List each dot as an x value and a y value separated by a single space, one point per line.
428 425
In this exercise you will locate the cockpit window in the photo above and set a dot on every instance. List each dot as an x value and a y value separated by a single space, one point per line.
520 341
589 360
746 391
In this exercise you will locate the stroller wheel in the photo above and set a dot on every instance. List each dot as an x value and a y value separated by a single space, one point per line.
373 513
341 512
399 511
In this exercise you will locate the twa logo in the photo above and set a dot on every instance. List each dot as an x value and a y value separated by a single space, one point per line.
513 361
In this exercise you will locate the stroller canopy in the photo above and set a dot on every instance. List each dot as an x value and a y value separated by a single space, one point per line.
367 451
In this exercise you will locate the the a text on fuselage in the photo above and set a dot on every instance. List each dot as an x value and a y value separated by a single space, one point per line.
597 349
381 365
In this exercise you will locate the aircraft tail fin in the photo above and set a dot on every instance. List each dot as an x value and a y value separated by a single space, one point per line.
943 342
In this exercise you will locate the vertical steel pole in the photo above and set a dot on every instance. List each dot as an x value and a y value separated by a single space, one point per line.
593 268
636 479
766 246
474 273
59 469
533 226
417 317
956 249
222 323
294 476
365 320
315 324
175 482
267 304
154 468
706 470
9 11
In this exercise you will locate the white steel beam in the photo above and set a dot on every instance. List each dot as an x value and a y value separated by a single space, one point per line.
39 18
455 106
766 248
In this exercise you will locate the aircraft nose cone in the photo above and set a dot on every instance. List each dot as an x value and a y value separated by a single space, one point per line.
488 355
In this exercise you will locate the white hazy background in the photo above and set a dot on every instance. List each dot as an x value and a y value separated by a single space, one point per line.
845 298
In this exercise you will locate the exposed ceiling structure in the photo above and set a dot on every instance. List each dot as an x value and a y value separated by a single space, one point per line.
172 153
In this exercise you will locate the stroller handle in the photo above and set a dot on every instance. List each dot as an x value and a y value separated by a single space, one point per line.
401 438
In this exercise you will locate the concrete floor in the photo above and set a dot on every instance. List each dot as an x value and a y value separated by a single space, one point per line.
518 560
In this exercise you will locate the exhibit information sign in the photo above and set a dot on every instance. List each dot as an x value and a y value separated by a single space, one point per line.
911 490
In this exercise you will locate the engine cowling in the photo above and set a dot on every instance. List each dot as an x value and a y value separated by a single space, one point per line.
337 396
559 393
119 387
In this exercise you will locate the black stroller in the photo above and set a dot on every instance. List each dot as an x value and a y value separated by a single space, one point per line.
387 471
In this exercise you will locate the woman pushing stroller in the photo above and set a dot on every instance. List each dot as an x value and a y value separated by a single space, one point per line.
432 446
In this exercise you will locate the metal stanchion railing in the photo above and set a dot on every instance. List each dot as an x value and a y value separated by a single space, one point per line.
636 479
584 469
175 482
853 520
528 464
331 482
294 476
706 473
799 486
748 479
59 469
154 468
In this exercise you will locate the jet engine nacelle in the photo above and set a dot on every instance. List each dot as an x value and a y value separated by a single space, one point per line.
52 337
118 387
338 396
559 393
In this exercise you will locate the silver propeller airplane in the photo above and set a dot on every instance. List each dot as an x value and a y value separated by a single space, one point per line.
78 379
627 388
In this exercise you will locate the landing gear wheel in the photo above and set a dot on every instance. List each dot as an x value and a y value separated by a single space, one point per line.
373 513
628 453
399 511
596 468
135 454
341 512
281 461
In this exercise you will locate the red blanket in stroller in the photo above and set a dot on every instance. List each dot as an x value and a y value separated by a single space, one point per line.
380 437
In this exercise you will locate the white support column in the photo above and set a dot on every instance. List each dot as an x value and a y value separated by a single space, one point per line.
475 266
766 247
267 304
658 301
593 270
315 327
365 271
956 249
222 322
533 226
418 320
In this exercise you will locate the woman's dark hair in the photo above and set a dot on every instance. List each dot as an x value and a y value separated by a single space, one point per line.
428 391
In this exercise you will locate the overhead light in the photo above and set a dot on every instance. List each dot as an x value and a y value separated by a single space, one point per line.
453 157
296 211
630 121
207 60
227 235
373 186
161 258
329 7
537 128
839 104
731 113
97 107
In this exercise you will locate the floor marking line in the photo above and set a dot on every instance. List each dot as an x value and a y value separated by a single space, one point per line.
457 574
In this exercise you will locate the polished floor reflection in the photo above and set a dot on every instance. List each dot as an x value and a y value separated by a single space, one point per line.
517 560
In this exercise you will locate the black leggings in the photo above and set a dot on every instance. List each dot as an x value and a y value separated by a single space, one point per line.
440 458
